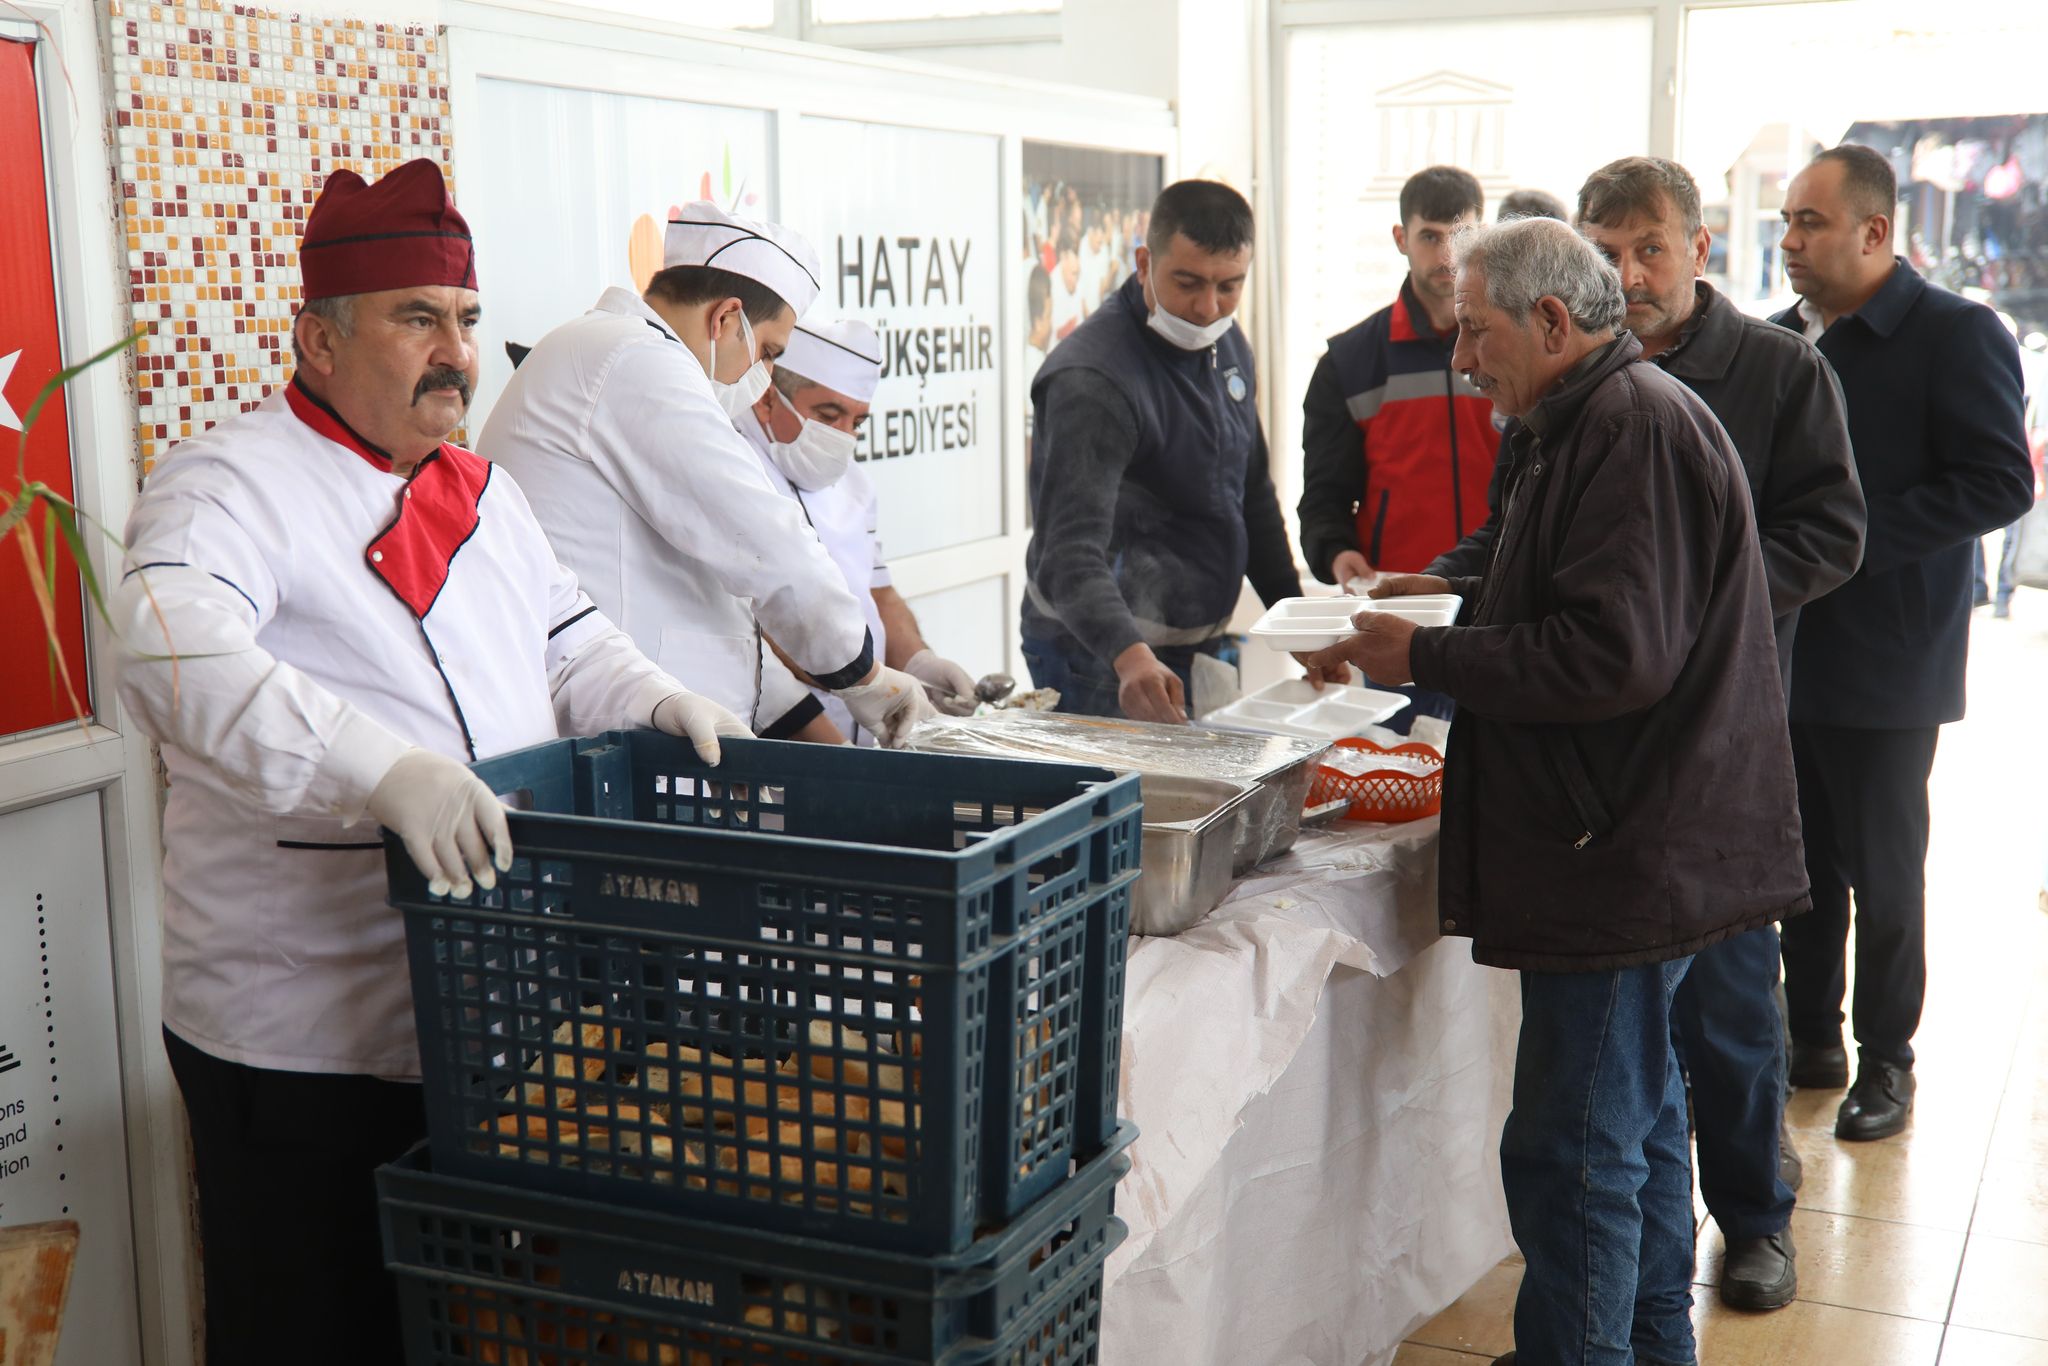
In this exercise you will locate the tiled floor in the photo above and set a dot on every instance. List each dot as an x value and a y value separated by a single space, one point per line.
1931 1247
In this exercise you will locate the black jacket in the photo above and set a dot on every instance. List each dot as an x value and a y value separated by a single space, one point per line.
1780 405
1150 487
1934 393
1618 788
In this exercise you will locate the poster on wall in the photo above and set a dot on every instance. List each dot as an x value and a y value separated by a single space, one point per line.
907 223
30 694
1085 214
562 179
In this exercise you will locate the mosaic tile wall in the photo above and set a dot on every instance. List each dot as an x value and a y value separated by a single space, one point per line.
229 118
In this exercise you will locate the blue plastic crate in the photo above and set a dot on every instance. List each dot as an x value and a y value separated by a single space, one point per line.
867 996
517 1278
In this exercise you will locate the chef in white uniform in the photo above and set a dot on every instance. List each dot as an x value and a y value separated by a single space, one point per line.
804 429
358 609
620 427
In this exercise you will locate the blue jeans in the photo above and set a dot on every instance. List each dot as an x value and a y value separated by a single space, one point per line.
1730 1037
1598 1172
1088 685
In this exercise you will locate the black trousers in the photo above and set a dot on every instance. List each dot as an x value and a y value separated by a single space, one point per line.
292 1257
1863 803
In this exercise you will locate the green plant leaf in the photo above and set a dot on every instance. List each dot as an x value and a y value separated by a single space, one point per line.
57 382
75 510
25 541
50 581
18 507
50 550
76 543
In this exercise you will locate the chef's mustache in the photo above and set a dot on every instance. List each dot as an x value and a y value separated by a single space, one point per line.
443 378
1639 296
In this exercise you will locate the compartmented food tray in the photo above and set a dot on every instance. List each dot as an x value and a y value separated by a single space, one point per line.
1293 707
856 994
1296 624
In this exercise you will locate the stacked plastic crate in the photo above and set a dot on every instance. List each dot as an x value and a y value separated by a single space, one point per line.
808 1058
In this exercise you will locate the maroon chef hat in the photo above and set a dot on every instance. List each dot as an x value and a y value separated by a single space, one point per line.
402 231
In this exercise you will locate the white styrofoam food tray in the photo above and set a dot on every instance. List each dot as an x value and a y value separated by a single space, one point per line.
1292 707
1296 624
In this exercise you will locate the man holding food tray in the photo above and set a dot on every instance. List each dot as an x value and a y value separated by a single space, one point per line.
1782 408
1618 793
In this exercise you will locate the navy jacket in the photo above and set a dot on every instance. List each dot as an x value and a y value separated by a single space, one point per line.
1150 491
1933 387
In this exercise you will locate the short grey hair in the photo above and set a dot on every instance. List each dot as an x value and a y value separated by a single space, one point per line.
790 382
1528 259
338 312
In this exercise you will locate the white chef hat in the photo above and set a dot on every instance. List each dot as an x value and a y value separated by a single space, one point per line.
843 354
702 234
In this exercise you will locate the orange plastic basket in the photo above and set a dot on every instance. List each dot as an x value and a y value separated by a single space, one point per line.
1383 795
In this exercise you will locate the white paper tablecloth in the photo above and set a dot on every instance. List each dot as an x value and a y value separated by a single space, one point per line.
1319 1085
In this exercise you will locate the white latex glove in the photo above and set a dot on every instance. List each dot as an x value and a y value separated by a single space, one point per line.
699 720
452 825
944 679
890 705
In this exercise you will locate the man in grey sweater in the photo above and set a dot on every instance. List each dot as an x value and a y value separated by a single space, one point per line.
1150 492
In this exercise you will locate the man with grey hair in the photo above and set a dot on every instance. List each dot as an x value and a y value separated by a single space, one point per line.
1618 791
1782 409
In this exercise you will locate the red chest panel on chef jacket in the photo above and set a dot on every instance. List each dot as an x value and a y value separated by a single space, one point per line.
414 554
435 519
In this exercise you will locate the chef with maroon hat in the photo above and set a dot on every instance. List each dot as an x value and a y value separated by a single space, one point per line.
358 608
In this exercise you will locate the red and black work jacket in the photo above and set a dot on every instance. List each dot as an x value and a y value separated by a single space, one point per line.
1397 447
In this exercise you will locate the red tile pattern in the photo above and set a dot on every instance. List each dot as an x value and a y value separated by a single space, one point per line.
228 119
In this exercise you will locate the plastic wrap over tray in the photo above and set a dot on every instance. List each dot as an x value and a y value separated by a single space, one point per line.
1280 766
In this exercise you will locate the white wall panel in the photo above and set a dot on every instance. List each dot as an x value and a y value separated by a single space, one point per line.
908 224
561 176
63 1146
970 625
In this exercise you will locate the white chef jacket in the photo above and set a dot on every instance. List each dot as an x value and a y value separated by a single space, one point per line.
846 516
328 614
653 499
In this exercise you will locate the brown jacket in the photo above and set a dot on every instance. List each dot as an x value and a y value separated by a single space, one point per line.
1619 786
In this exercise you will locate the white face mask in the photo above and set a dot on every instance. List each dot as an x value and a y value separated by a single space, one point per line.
742 394
1182 333
817 458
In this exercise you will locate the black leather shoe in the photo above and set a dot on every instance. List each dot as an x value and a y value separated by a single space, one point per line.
1759 1273
1818 1068
1877 1105
1791 1170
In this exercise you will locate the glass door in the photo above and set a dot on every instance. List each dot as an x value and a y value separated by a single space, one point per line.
1367 105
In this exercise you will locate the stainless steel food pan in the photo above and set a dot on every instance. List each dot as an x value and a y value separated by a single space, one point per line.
1192 831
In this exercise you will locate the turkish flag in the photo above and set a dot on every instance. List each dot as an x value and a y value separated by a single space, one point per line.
29 357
